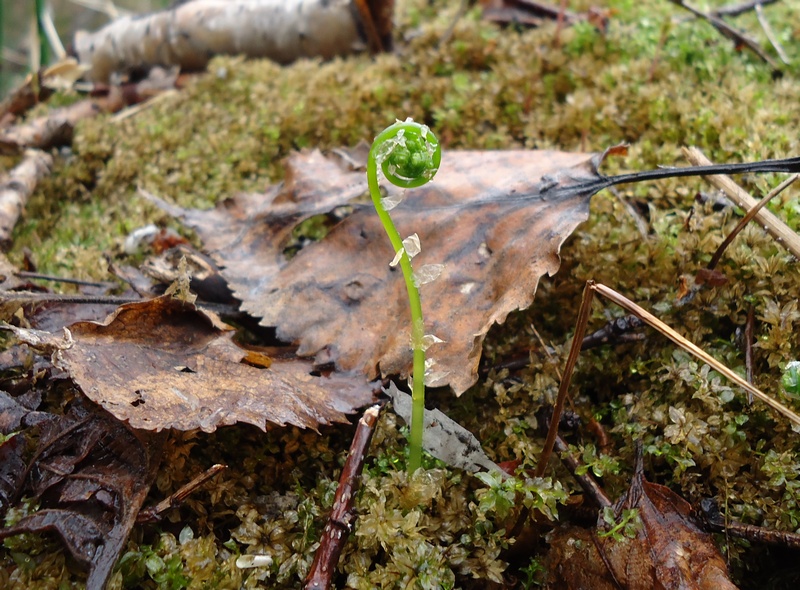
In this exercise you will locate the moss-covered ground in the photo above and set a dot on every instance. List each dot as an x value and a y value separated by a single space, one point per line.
655 79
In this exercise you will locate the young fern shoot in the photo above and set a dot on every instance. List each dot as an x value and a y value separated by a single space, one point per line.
408 155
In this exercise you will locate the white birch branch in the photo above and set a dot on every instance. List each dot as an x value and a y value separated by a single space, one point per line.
17 186
190 34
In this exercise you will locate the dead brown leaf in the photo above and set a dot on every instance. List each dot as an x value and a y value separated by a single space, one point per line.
668 552
91 474
163 363
495 220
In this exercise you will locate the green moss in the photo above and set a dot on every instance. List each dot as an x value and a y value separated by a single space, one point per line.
655 83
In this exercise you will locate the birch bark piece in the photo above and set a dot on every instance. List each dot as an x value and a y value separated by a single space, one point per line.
190 34
768 220
17 186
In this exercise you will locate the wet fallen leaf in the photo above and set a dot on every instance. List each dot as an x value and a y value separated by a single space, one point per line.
668 550
495 220
91 474
163 363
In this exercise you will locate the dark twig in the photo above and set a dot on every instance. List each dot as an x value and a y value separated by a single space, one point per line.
715 522
29 297
616 330
586 481
35 275
154 513
558 13
747 218
731 33
343 515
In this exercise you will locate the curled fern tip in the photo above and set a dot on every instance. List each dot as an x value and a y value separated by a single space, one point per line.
408 153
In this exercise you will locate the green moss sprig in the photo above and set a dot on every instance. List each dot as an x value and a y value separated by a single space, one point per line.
408 154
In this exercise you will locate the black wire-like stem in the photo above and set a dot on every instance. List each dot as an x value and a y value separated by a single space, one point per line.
786 165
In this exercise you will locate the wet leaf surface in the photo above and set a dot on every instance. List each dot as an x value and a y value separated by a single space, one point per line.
90 473
495 220
163 363
668 550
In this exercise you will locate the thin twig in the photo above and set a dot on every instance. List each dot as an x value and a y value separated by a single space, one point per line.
27 297
586 481
762 20
569 367
749 217
343 515
35 275
558 13
731 33
715 522
737 9
154 513
49 29
749 332
774 226
448 34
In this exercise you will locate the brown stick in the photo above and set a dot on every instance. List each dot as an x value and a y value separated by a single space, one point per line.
23 98
153 514
563 388
53 129
343 515
18 186
586 481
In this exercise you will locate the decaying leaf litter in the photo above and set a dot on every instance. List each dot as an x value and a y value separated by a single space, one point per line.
505 448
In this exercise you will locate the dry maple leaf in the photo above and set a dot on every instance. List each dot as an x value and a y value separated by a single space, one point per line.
163 363
495 220
668 552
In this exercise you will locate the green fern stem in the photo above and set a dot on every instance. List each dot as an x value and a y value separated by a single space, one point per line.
409 156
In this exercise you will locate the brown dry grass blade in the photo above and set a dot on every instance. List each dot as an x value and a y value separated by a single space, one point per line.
693 349
661 327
